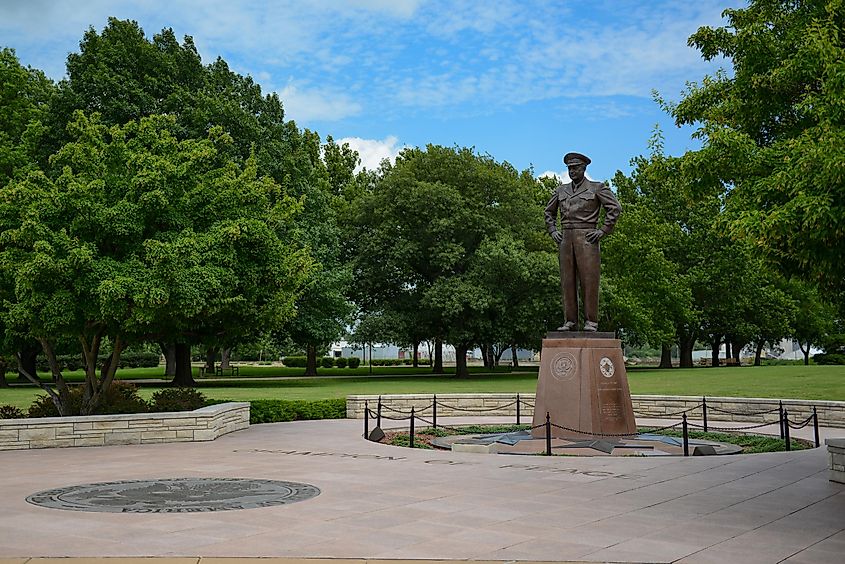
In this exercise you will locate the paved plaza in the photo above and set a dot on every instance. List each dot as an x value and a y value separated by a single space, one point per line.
381 502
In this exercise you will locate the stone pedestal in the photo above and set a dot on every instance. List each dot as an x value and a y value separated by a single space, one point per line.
583 386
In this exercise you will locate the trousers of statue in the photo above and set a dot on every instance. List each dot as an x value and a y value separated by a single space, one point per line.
580 263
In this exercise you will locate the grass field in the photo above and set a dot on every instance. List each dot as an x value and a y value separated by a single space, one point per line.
784 382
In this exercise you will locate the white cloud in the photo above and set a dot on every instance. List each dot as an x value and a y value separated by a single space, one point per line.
304 104
373 151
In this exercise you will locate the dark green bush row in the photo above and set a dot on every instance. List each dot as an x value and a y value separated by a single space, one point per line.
400 361
325 362
829 358
127 360
274 411
123 397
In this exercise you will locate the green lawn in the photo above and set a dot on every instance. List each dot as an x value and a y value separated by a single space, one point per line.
785 382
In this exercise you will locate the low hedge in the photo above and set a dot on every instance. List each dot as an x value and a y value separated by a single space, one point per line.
829 358
127 360
324 361
276 411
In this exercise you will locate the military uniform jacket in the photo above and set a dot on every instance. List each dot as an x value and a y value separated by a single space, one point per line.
580 207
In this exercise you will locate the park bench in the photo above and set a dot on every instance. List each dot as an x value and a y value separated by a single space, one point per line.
232 370
220 371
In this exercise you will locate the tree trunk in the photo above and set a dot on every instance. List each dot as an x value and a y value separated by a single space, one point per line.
169 352
437 367
736 348
3 382
498 356
183 376
806 353
728 343
665 355
685 353
485 356
461 370
311 362
27 357
210 359
416 355
714 351
758 353
225 358
514 357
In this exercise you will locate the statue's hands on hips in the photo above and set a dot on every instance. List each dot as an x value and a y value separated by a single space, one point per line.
594 236
557 236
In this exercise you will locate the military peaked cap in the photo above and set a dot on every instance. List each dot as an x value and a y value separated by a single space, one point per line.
575 159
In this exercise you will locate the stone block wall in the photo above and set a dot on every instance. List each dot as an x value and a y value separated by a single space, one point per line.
751 410
204 424
836 454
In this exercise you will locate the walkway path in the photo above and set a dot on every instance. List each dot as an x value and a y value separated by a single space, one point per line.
382 502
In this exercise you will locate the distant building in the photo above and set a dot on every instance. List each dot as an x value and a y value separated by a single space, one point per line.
381 350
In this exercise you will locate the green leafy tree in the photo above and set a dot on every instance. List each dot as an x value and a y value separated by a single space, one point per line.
25 95
119 246
773 131
429 232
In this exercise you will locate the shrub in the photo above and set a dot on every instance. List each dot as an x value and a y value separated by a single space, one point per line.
11 412
354 362
341 362
274 411
129 359
327 362
829 358
177 399
121 397
295 361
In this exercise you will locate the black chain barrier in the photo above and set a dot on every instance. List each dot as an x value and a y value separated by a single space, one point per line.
674 414
746 413
784 422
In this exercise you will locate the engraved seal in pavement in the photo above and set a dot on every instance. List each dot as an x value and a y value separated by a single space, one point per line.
174 495
564 366
606 367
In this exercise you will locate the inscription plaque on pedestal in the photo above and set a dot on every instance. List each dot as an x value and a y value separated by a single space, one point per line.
583 386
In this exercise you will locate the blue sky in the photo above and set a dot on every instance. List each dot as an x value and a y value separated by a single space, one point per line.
525 81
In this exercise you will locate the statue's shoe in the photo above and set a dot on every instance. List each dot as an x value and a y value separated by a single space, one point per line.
591 326
567 326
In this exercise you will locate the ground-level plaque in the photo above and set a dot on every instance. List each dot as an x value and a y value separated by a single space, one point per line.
583 386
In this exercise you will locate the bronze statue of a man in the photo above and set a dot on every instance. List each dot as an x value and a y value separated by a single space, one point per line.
579 204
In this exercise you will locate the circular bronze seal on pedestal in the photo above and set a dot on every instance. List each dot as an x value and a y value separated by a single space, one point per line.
564 366
606 367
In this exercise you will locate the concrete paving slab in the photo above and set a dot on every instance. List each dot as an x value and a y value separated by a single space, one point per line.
380 502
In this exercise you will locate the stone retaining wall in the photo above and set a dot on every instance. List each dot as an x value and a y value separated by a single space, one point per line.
836 452
204 424
831 413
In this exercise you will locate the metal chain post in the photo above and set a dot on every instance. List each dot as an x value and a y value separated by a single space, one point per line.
378 413
548 435
517 409
786 430
780 415
686 436
704 412
412 428
816 427
434 412
366 420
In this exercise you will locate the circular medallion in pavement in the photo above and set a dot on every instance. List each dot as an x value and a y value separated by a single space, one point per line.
174 495
606 367
564 366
